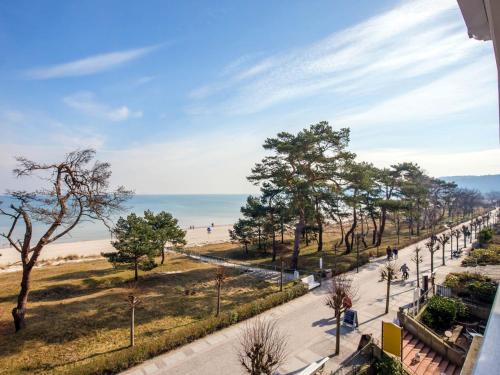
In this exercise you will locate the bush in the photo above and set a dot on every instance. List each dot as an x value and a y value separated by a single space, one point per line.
115 362
485 236
472 285
388 366
482 257
483 291
442 312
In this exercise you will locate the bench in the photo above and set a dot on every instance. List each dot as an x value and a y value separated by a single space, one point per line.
314 367
311 283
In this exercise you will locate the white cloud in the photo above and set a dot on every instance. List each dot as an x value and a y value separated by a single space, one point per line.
89 65
462 90
86 103
415 39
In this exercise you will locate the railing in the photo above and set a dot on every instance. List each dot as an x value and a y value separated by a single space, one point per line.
245 266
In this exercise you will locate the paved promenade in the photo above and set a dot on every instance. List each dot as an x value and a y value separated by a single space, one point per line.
307 322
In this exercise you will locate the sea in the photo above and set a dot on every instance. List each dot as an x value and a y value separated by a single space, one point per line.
190 210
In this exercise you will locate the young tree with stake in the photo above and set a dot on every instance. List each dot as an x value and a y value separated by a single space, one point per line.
220 275
443 239
433 248
388 272
417 259
74 189
340 298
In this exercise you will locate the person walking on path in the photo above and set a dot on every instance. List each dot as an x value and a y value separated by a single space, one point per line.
395 252
389 253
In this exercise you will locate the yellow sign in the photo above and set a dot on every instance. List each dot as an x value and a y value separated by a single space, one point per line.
392 339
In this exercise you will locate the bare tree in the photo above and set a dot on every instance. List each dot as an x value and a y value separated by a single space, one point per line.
443 239
72 191
466 233
417 259
220 275
262 347
433 248
457 234
388 272
340 299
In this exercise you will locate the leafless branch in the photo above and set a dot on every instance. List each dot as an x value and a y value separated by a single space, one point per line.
262 347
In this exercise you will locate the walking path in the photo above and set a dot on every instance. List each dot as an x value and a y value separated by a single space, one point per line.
308 323
266 274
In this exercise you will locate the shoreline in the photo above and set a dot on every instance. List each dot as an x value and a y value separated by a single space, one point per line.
93 248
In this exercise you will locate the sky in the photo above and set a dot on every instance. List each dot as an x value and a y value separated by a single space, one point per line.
179 96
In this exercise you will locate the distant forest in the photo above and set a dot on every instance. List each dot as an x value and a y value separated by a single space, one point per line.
485 184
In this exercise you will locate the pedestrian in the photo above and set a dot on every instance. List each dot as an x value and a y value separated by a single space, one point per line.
389 253
395 252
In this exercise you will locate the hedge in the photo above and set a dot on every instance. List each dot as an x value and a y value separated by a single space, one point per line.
115 362
442 312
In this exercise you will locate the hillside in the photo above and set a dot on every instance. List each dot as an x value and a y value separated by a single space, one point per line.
484 184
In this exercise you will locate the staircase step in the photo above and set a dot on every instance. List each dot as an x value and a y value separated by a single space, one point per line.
410 345
407 360
450 369
443 365
423 367
432 368
423 353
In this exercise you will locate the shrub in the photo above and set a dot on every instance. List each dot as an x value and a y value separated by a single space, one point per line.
483 291
388 366
115 362
472 285
442 312
482 257
485 236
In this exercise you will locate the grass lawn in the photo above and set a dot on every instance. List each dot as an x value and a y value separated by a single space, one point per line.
309 256
79 311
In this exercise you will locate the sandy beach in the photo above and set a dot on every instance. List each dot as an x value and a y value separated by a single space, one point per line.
194 237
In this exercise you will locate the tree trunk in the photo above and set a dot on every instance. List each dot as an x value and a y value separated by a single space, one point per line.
443 249
296 243
274 245
350 234
259 234
136 270
383 218
418 270
337 332
282 231
388 295
19 312
320 235
375 230
163 255
218 299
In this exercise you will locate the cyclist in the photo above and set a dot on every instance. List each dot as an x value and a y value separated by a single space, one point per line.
405 270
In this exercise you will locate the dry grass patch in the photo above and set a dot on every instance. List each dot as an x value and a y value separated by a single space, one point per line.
78 311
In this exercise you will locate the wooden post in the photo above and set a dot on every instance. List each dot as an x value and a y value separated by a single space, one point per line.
133 301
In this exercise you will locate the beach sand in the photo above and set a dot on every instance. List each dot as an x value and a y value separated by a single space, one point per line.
194 237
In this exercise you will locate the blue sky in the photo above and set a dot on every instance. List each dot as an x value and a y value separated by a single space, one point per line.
179 96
